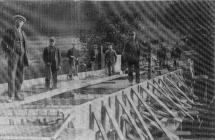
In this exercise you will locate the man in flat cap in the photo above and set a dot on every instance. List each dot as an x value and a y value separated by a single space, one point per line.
52 60
132 55
110 59
15 47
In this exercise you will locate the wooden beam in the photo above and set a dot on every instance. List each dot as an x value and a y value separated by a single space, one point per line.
23 138
170 99
131 118
159 101
68 119
168 133
51 93
179 107
180 90
140 117
179 78
116 126
172 92
101 128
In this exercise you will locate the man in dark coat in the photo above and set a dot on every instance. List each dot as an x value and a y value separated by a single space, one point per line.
132 56
161 55
52 60
176 55
15 47
110 59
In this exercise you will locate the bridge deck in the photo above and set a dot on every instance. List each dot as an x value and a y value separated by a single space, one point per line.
52 114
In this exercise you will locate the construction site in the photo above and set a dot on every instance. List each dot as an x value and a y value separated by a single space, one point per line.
98 106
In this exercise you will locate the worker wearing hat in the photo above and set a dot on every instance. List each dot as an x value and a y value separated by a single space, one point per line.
52 60
132 54
110 59
15 48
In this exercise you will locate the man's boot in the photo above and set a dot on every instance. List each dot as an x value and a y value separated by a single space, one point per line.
54 86
18 98
47 85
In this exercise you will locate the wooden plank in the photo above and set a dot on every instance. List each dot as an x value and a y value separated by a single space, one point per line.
168 133
180 91
177 76
131 118
51 93
202 138
23 138
68 119
160 90
32 82
179 107
101 128
159 101
140 117
172 92
116 126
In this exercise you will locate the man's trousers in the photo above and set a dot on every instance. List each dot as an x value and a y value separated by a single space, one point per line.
50 72
111 69
130 70
15 75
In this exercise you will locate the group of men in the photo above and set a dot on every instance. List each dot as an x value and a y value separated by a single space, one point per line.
131 53
15 48
162 55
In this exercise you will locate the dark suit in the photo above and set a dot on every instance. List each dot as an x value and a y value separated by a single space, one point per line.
14 45
52 59
132 55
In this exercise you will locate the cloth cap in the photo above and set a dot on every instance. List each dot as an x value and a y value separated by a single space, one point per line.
20 17
51 39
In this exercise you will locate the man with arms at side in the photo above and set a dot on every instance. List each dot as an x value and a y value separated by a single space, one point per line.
15 47
132 56
110 59
52 60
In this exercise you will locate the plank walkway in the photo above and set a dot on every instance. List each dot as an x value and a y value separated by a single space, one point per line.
63 86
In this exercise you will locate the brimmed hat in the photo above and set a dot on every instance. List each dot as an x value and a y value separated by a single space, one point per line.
19 17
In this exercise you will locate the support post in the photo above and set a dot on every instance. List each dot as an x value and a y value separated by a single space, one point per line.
131 119
140 117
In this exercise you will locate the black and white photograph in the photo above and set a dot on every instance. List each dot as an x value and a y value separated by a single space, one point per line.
107 70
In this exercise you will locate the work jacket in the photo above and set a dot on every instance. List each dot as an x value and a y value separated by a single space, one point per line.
132 50
52 55
12 44
110 56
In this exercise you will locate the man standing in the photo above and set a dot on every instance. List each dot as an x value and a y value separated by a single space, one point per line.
73 62
15 47
110 59
52 60
161 55
132 56
176 55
